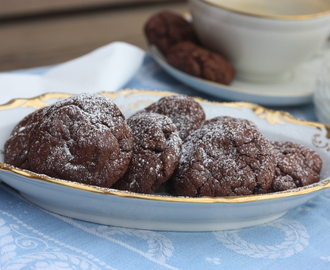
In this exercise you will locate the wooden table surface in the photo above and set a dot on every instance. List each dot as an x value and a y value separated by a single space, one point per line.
47 39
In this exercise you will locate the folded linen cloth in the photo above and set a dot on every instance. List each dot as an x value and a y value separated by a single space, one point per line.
107 68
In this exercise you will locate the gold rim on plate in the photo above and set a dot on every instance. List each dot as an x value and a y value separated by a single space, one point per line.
270 115
278 17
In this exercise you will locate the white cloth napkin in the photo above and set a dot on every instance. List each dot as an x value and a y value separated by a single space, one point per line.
107 68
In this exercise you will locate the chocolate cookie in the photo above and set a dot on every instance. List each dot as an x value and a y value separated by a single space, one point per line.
227 156
186 113
199 62
156 153
166 29
84 138
297 166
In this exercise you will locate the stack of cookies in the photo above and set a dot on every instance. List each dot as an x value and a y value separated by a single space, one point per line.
176 39
87 139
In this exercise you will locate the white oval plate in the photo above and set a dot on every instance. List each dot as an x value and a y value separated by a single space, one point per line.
164 212
298 89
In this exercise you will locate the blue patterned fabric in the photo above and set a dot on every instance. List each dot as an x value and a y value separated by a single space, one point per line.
32 238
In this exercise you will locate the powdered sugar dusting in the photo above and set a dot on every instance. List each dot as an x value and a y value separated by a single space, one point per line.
88 137
185 112
225 157
156 153
82 138
297 166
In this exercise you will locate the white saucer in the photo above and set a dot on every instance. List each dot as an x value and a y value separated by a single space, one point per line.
296 90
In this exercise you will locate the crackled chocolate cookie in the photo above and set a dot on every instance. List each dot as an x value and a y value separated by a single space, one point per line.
226 157
84 138
200 62
186 113
297 166
156 153
166 29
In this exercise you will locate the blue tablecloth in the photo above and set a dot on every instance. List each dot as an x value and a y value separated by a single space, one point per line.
32 238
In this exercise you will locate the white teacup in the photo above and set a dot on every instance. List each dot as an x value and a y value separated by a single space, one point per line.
263 39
